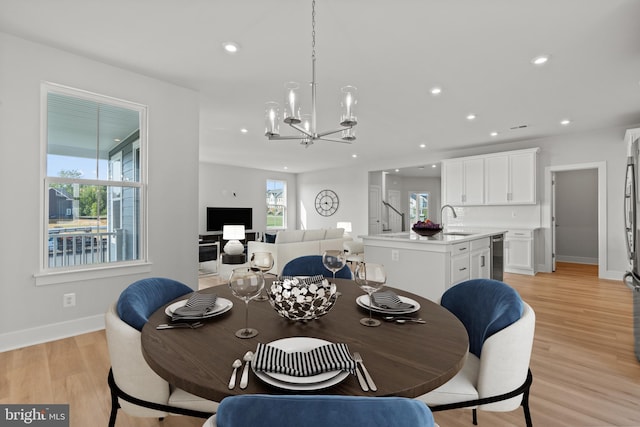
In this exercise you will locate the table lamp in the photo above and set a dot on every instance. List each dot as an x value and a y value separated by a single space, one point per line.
347 227
233 233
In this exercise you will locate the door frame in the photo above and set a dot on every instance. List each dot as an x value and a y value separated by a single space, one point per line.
548 210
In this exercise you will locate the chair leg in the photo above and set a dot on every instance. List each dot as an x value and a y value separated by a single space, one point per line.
114 409
525 399
474 415
525 407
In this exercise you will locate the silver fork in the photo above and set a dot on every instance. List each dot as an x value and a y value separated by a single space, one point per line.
180 325
358 359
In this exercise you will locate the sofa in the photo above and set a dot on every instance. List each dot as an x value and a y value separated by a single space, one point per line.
290 244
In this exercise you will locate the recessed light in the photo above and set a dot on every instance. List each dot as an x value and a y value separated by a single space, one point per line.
540 60
434 166
354 155
494 133
116 140
397 170
286 167
471 116
436 90
244 130
565 122
423 145
231 47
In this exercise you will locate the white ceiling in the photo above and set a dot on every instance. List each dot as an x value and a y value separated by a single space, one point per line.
478 51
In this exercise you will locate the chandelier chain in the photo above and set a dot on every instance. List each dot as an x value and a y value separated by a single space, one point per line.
313 29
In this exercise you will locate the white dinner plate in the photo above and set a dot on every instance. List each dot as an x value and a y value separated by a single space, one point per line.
363 301
222 305
289 382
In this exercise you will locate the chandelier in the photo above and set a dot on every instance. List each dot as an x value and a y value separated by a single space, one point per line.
306 124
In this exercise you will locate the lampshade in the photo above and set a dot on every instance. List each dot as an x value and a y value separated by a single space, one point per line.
346 225
233 232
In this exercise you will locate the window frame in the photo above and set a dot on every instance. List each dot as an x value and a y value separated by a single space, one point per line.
417 208
284 206
51 275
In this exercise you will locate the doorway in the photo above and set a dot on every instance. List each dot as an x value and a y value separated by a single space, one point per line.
558 203
576 216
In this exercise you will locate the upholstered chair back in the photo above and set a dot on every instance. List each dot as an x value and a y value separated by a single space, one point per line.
311 265
320 411
505 359
484 306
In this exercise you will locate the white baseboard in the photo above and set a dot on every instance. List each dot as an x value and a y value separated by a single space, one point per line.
55 331
612 275
577 259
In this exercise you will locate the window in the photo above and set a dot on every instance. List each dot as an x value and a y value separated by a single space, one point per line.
418 207
276 204
94 186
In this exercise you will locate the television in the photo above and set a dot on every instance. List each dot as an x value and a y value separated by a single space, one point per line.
218 217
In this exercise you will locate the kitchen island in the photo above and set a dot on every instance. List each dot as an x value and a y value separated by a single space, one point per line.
428 266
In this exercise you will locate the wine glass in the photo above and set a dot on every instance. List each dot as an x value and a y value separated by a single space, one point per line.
370 277
334 260
262 261
246 284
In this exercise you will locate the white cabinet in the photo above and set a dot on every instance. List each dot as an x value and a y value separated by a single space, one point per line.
519 252
459 266
505 178
480 259
463 181
470 260
511 178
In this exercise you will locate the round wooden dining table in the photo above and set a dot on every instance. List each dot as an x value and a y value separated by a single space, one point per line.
403 359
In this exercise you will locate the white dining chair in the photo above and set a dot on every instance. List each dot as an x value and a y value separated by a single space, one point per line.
134 386
496 375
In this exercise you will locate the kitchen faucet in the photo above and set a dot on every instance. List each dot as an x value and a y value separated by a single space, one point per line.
452 210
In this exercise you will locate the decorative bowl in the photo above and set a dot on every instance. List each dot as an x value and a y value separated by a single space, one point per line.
426 231
294 299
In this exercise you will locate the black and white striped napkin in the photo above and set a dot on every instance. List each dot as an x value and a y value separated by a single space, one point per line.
389 301
330 357
317 279
198 305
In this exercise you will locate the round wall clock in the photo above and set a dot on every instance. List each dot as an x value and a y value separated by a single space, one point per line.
327 202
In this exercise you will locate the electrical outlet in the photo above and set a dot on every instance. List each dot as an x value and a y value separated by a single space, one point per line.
69 300
395 255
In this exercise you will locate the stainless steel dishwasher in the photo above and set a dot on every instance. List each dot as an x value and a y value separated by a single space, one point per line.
497 257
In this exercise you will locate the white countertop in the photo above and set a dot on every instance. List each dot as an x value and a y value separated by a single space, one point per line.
458 235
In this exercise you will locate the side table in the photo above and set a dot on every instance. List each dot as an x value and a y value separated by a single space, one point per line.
229 262
234 259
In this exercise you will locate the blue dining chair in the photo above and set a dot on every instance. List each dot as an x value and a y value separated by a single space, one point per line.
496 374
135 387
260 410
311 265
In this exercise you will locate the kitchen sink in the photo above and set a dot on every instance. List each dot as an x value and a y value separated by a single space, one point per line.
457 233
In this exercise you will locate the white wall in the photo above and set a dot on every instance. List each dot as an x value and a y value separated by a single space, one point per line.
232 186
351 186
30 313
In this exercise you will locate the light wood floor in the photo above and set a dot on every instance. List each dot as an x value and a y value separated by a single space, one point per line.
584 368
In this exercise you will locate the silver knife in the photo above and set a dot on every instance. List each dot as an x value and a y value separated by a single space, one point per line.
363 383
